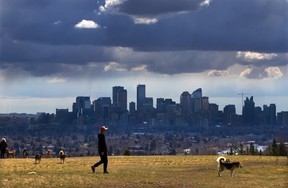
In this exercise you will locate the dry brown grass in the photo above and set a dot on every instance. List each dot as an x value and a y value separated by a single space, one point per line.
144 171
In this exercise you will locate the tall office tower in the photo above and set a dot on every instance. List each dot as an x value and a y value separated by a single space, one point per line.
272 114
269 113
205 104
214 112
185 102
196 100
119 97
141 96
229 111
82 107
248 111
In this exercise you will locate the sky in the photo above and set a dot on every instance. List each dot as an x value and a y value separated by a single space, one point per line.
52 51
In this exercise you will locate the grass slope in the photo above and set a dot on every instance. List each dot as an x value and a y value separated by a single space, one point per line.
144 171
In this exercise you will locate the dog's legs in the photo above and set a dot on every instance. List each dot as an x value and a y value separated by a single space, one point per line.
219 170
232 172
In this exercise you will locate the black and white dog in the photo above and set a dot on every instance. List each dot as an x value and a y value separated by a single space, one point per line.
37 158
62 156
224 163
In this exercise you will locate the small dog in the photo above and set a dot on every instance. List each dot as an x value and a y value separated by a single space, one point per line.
10 153
25 153
37 158
62 156
224 163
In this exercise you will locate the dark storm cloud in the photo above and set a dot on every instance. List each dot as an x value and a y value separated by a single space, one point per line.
179 62
223 25
203 37
24 51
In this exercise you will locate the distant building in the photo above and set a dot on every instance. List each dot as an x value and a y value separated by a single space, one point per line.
205 104
132 107
141 96
102 109
132 118
282 118
148 105
196 100
63 115
119 98
193 110
82 106
228 112
248 111
269 115
185 103
160 105
214 113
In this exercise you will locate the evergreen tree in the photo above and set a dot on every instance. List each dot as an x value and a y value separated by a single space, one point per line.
231 151
274 148
252 149
260 152
153 145
282 149
127 152
247 150
241 150
172 152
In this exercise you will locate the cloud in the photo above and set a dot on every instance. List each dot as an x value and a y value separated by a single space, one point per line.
57 22
87 24
206 3
245 73
140 68
213 73
274 72
113 66
251 56
177 25
262 73
152 8
164 36
138 20
56 80
150 11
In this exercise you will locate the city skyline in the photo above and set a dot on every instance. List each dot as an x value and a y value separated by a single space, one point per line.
115 89
64 49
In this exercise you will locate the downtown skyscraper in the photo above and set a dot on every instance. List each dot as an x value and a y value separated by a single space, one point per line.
141 96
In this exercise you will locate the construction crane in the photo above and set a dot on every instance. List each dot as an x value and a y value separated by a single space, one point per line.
242 95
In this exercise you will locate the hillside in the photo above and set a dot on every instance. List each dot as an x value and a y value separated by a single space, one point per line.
144 171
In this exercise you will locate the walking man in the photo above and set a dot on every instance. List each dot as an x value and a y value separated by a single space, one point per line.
102 149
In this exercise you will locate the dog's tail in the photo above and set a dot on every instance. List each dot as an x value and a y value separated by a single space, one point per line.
61 152
220 159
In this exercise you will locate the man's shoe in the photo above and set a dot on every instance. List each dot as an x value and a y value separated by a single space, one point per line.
106 172
93 169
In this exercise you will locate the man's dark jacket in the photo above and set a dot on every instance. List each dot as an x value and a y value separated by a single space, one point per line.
102 143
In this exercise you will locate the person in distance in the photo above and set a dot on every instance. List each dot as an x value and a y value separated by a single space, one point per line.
102 150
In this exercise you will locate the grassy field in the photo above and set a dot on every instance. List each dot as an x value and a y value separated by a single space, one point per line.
144 171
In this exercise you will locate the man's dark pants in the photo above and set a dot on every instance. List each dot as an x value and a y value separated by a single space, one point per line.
104 160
